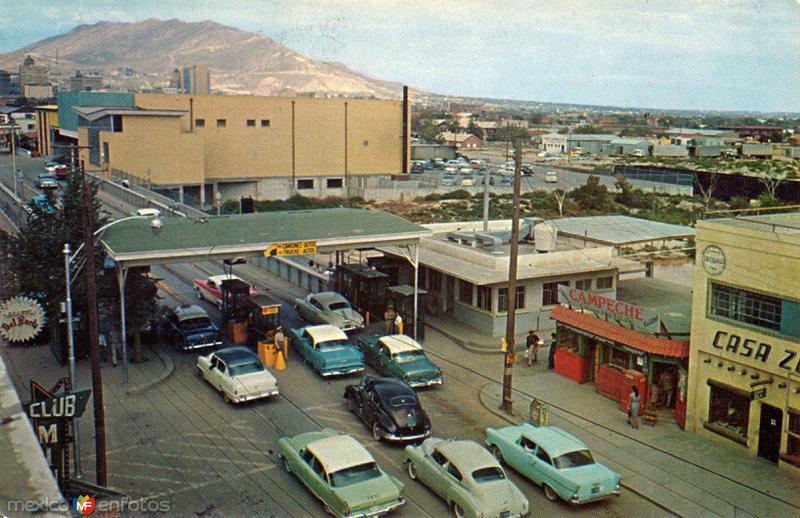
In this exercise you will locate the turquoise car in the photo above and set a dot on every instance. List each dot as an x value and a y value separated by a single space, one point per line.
399 356
554 459
341 473
327 349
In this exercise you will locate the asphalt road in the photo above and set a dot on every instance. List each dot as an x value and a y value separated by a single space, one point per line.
181 447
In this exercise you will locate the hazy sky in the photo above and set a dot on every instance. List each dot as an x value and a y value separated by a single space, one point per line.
701 54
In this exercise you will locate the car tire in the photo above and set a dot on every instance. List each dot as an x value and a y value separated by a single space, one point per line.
549 493
227 398
457 511
498 454
286 464
376 432
412 470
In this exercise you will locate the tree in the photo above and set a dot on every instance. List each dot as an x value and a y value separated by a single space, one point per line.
627 195
141 306
593 196
473 129
771 182
429 132
560 195
707 191
454 126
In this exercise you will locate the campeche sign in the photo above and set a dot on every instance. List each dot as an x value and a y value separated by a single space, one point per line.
292 248
609 307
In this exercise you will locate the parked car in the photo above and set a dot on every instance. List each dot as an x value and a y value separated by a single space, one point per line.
466 476
449 180
417 169
428 165
238 374
327 349
61 172
210 289
47 183
389 408
554 459
188 327
551 177
399 356
42 203
51 166
44 176
501 181
468 181
329 307
341 473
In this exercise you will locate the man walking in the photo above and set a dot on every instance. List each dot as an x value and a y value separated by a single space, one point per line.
389 317
551 354
532 344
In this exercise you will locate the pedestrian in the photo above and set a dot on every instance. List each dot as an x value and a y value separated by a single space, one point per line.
667 385
388 319
280 342
551 355
532 344
398 324
633 408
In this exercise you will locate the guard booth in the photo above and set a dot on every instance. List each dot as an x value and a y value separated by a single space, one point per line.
364 287
402 299
235 308
263 318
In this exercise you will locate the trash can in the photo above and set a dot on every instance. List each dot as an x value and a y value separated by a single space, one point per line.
267 352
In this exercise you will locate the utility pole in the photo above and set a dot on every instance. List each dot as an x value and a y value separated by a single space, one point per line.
14 155
508 357
94 345
486 199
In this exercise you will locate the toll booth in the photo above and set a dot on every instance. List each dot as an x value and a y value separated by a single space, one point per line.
364 287
402 299
263 319
234 294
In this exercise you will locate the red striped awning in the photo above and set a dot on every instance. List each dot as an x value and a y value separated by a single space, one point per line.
616 333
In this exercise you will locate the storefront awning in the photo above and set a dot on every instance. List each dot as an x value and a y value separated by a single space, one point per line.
621 335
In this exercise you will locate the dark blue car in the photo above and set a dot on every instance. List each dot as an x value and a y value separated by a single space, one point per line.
190 328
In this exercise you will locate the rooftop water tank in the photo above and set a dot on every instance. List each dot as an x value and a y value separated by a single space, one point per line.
544 237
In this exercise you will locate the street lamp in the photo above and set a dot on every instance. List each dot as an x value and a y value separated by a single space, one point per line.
156 224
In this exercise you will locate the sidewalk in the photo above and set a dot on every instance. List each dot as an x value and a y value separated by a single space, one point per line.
677 470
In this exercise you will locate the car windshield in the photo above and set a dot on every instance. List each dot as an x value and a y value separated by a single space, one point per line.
333 306
573 459
489 474
409 356
355 474
246 368
332 345
195 323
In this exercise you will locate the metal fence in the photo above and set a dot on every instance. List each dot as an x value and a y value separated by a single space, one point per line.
140 197
13 208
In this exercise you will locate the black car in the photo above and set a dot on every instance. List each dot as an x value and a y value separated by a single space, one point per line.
189 328
390 408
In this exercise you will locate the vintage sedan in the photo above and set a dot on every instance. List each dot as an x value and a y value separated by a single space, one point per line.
554 459
210 289
399 356
327 349
329 307
189 328
467 477
238 374
390 408
341 473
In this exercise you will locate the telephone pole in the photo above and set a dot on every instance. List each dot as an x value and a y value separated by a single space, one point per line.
508 357
94 345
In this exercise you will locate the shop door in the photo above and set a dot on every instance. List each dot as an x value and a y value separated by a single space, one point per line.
769 433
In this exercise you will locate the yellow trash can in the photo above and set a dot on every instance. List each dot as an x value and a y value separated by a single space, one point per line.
267 353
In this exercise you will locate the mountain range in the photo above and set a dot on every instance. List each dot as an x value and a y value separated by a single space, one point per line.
144 54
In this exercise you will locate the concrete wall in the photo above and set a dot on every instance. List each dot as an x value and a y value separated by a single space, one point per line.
758 260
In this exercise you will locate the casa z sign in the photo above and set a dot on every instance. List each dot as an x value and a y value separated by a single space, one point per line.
603 306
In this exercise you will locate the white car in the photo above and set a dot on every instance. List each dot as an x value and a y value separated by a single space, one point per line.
551 177
210 289
238 374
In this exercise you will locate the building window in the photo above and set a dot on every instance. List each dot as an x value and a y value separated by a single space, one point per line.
744 306
221 123
605 283
334 183
251 123
485 297
307 183
366 143
502 299
265 123
116 123
549 293
465 291
728 411
583 284
199 123
793 439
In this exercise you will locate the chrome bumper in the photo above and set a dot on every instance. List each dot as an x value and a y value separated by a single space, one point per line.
581 501
380 510
424 383
192 347
395 437
250 397
342 372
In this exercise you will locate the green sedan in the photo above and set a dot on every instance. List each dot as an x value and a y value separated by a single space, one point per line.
399 356
341 473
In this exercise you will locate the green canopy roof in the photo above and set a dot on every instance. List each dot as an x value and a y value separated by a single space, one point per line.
220 237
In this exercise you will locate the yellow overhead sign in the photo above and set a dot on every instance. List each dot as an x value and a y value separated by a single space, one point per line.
295 248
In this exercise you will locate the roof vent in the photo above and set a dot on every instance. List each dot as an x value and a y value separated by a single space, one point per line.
544 237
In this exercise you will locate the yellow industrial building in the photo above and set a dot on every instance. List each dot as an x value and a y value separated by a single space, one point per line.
265 147
744 367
